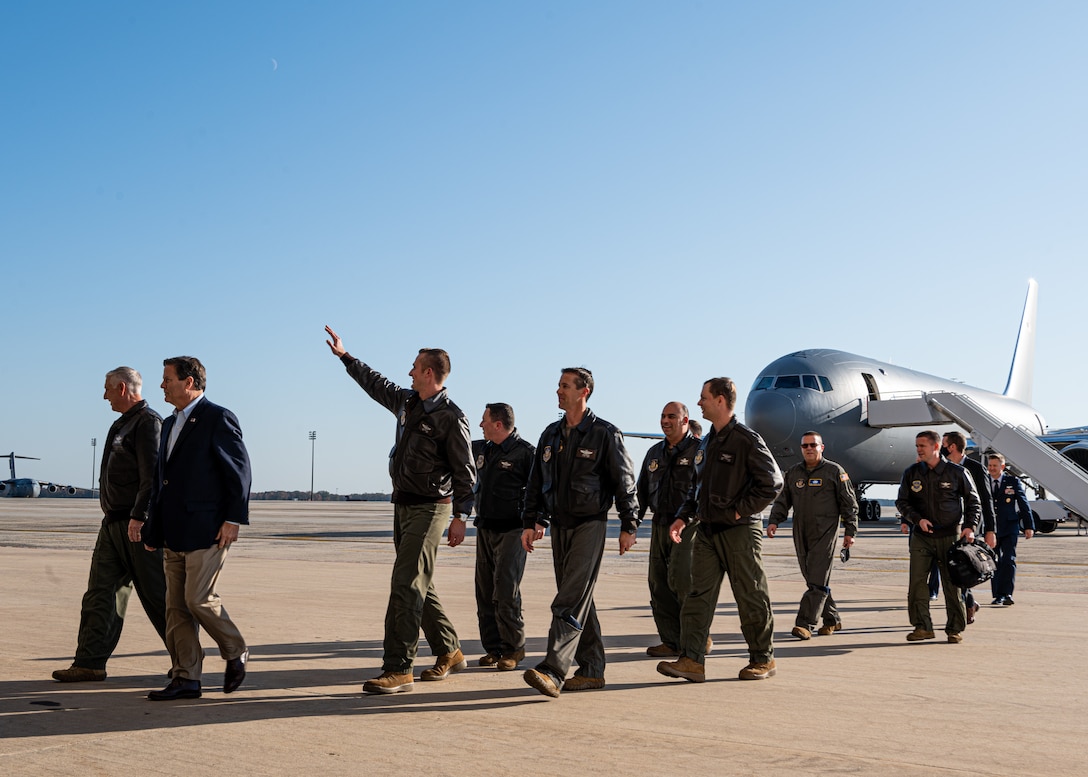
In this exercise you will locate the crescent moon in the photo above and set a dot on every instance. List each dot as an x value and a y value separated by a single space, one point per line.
275 66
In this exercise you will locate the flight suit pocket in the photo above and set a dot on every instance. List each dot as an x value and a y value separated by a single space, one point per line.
585 498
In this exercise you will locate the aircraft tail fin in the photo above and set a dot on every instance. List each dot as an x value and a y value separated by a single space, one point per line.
11 457
1022 371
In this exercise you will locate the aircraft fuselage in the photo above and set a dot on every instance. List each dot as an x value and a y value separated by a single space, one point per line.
829 391
20 488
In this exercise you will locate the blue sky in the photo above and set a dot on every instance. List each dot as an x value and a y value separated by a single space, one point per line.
662 192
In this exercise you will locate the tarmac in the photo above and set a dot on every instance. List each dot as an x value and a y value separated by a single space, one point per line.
307 583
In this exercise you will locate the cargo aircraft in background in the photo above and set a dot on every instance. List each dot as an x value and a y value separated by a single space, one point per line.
28 487
869 412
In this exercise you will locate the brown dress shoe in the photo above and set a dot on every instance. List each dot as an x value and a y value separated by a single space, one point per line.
828 629
801 632
489 660
451 662
510 661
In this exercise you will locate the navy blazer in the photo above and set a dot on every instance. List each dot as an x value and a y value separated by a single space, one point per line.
204 482
1009 501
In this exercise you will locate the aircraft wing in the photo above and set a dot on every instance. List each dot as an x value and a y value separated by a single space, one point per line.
1065 436
1071 443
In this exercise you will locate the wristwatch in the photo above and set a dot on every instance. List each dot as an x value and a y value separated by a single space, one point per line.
463 518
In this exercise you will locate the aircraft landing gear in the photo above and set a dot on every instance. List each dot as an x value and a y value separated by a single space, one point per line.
868 510
1043 526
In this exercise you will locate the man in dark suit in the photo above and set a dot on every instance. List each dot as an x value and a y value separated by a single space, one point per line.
200 496
1012 512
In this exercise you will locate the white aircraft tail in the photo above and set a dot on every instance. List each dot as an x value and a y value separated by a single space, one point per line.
1022 371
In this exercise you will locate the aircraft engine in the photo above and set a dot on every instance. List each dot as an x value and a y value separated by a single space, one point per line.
1077 453
53 488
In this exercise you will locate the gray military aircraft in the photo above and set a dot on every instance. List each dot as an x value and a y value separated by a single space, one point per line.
28 487
869 412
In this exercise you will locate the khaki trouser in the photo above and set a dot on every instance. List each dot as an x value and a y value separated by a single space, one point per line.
193 603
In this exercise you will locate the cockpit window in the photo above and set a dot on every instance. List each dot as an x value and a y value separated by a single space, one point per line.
813 382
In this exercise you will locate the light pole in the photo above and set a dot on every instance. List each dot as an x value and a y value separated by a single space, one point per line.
313 444
94 443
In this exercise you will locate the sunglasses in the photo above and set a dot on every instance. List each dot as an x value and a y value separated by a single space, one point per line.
810 445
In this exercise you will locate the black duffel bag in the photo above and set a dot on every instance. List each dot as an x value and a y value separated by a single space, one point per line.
970 563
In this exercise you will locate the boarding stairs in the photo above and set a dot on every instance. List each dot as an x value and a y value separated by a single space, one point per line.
1021 448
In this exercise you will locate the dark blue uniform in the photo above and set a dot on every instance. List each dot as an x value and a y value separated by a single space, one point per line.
1011 511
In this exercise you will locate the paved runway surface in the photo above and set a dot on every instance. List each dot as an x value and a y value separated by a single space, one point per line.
307 584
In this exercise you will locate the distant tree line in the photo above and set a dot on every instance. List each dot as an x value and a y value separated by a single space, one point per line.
319 496
286 496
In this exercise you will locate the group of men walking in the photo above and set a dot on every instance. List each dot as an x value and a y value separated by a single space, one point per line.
173 494
578 471
173 497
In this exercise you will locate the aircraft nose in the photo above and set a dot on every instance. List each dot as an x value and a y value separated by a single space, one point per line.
773 415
